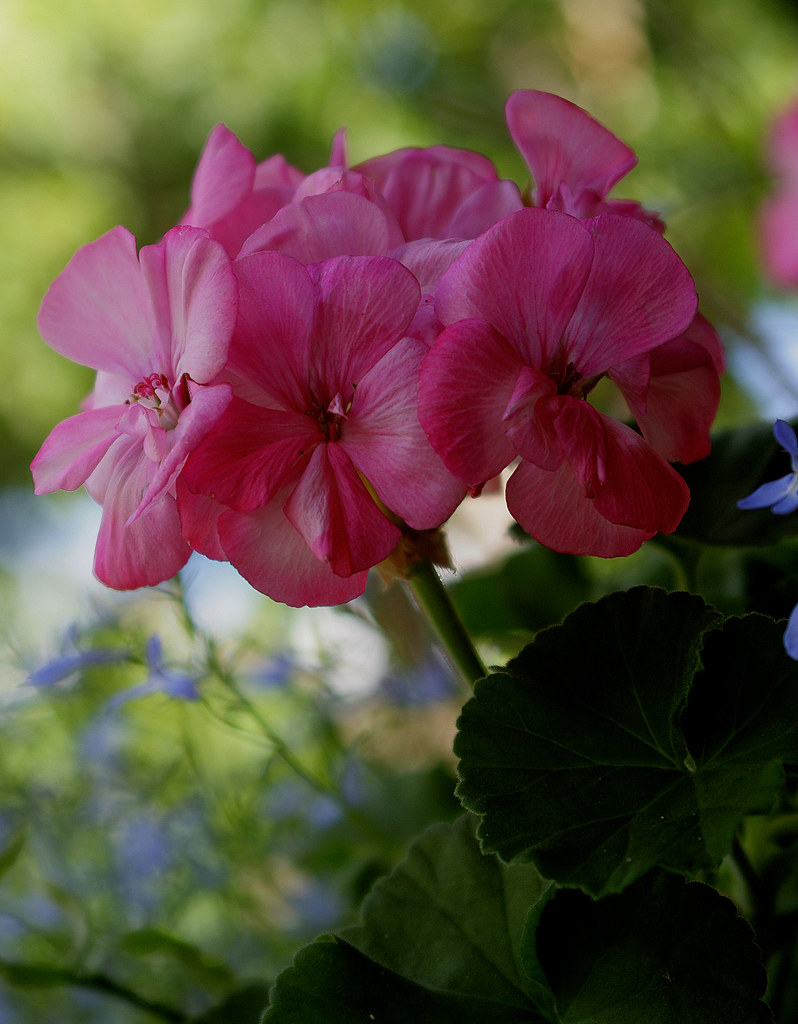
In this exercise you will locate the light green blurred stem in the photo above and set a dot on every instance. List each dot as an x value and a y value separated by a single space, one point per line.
432 597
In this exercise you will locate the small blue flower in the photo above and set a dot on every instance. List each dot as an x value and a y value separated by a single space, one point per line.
782 494
71 660
161 679
782 497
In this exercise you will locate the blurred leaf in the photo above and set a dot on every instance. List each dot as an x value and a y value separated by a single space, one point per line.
529 590
12 850
245 1006
741 460
616 742
150 941
663 952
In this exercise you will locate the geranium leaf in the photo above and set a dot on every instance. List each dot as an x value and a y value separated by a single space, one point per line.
440 942
331 982
616 742
662 952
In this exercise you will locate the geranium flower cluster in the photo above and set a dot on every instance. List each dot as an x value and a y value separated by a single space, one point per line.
311 368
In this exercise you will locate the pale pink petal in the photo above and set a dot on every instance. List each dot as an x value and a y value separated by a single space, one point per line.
629 483
339 153
224 176
467 380
639 294
151 550
337 516
251 454
206 406
386 444
273 557
276 172
552 508
273 331
97 311
782 145
525 277
364 306
74 449
428 259
778 236
321 226
561 142
194 295
486 206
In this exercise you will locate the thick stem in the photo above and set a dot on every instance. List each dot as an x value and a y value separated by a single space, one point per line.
433 599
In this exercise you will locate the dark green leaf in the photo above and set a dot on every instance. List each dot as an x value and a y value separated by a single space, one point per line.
587 757
331 982
663 952
741 460
450 918
12 850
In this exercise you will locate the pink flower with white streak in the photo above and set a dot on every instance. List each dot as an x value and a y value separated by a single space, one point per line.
308 476
156 327
536 312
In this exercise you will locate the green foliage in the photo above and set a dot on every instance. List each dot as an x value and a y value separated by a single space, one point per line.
662 953
647 749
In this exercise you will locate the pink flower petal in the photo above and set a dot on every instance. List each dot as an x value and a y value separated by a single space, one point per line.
426 187
529 419
151 550
552 508
97 311
466 383
251 454
561 142
364 307
683 394
206 406
194 295
275 319
628 482
74 449
337 516
639 294
199 518
321 226
486 206
525 277
272 556
386 444
224 176
428 259
778 231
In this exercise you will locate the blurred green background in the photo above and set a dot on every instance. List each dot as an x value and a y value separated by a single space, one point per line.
187 821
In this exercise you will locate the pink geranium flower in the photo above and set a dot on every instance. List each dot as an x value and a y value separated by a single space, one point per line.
307 477
574 160
778 220
536 312
156 328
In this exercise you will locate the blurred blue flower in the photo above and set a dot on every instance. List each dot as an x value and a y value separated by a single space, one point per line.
782 497
160 680
417 685
276 671
71 660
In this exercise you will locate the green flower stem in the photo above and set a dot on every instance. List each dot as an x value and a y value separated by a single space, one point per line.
433 599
